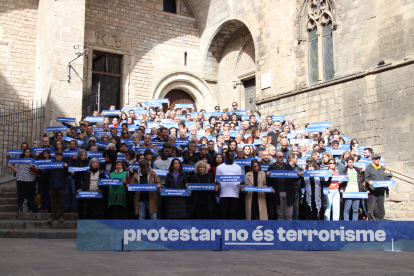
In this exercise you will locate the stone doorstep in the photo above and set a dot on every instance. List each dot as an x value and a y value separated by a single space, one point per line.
37 224
39 233
7 201
8 195
34 216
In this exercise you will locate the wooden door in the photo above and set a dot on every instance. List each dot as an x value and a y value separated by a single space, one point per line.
250 94
178 97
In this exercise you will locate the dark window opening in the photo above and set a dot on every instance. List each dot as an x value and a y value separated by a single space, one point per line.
170 6
185 59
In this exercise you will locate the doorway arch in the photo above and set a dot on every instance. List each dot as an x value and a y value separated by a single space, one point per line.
178 96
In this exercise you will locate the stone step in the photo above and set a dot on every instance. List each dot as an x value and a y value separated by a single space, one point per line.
8 189
8 194
35 216
37 224
39 233
8 201
8 208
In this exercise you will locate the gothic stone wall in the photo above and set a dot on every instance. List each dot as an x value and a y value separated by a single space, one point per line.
376 109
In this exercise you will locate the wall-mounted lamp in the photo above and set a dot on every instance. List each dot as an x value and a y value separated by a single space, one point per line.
80 50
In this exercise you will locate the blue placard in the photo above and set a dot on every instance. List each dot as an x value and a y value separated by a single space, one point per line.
51 165
149 104
102 145
301 161
66 120
336 151
41 161
61 128
314 129
78 169
175 192
142 187
184 106
317 173
160 172
296 131
67 138
202 186
95 153
120 157
230 178
111 112
247 117
355 195
243 162
170 125
14 152
101 159
243 235
110 181
100 133
182 142
284 174
89 194
278 118
133 166
361 165
258 189
164 100
301 141
127 141
142 150
188 168
384 183
179 158
320 124
339 177
238 112
67 153
94 119
19 160
135 108
265 168
107 174
325 191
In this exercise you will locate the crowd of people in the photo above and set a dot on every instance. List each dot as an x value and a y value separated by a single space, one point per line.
144 145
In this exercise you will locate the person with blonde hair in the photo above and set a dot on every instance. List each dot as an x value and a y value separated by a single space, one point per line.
326 156
202 202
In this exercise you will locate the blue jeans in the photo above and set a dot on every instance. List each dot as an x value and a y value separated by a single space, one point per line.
355 208
70 193
142 207
332 201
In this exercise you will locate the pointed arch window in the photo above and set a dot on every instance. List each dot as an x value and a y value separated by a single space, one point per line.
320 41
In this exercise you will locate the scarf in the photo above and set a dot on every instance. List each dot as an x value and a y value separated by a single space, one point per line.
377 168
308 190
94 170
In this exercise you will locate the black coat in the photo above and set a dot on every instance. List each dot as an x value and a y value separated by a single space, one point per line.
83 179
289 183
176 205
360 181
202 196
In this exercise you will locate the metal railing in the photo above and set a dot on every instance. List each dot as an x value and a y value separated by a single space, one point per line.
19 122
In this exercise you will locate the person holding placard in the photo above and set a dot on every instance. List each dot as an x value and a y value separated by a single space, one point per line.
376 172
176 206
117 193
81 161
57 188
146 200
355 183
26 182
255 206
44 184
332 199
202 202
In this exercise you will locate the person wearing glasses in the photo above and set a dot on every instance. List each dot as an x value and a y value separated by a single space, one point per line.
376 172
217 108
284 188
74 133
332 199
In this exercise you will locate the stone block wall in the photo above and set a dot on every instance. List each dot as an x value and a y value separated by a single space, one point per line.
18 21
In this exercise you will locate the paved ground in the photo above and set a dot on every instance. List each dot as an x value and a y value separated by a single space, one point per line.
59 257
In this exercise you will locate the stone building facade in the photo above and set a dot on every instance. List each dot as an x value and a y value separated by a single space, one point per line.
348 62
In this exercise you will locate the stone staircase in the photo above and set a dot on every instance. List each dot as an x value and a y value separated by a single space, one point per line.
31 225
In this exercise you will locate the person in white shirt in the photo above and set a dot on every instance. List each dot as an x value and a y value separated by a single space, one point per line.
135 141
229 191
200 130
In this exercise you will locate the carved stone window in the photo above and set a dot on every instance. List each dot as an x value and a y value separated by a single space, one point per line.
320 41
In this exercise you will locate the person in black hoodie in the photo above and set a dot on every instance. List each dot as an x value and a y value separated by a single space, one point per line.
57 188
202 202
81 161
176 206
44 184
88 181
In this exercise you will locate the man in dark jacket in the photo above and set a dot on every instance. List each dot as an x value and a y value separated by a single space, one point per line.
57 188
376 172
355 183
292 160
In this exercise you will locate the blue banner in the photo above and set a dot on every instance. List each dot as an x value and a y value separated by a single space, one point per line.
142 187
188 168
100 133
150 104
284 174
175 192
300 141
278 118
101 159
243 235
78 169
66 138
94 119
164 100
41 161
89 194
142 150
339 177
160 172
384 183
66 120
247 117
95 153
133 166
107 175
61 128
258 189
102 145
336 151
68 153
111 112
184 106
51 165
120 157
314 129
109 181
318 173
238 112
202 186
243 162
355 195
182 142
19 160
135 108
361 165
14 152
320 124
325 191
230 178
179 158
170 125
265 168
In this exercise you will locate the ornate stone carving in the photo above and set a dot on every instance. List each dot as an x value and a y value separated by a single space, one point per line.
319 12
108 40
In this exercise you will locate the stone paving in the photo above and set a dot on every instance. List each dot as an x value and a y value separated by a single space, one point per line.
59 257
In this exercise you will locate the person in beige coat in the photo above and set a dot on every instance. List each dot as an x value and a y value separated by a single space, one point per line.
256 208
146 176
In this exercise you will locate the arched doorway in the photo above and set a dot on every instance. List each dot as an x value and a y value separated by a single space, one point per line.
177 96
